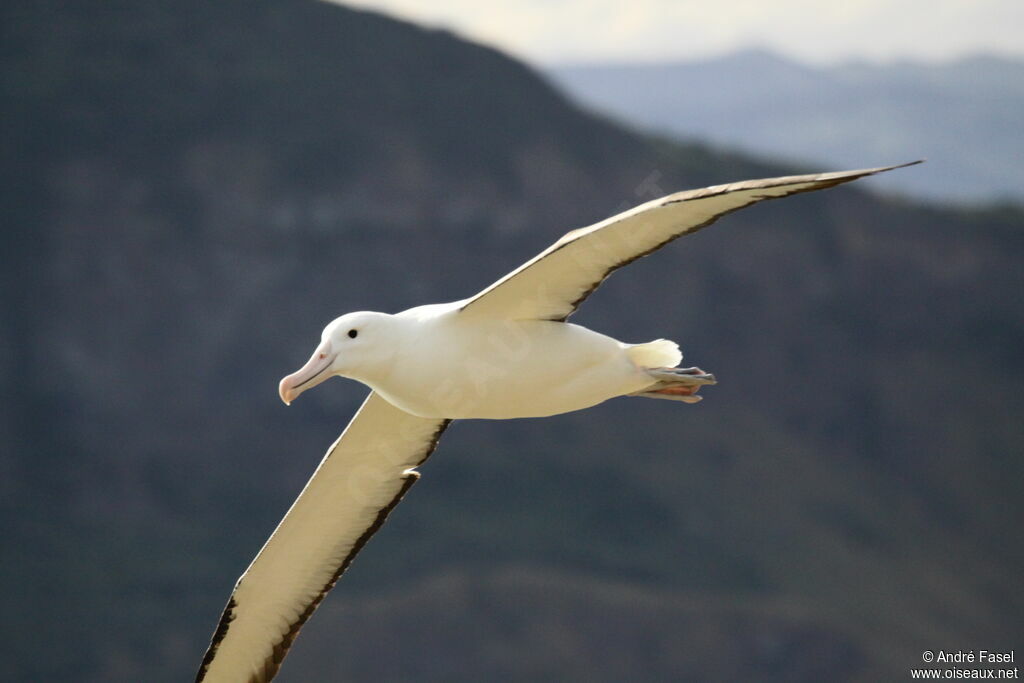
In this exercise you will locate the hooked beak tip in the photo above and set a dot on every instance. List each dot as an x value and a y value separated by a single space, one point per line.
285 391
316 370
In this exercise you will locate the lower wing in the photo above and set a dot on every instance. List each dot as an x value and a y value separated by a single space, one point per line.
363 476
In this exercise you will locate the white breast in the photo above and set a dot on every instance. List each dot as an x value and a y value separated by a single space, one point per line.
500 369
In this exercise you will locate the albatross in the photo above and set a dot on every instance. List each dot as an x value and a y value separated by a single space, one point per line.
506 352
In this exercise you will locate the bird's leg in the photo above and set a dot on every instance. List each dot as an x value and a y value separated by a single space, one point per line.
678 384
679 390
693 377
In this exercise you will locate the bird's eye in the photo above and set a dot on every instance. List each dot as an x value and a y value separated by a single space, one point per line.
352 334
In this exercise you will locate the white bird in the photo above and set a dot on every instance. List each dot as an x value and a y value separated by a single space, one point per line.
506 352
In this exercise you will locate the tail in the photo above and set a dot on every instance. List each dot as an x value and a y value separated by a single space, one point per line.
660 353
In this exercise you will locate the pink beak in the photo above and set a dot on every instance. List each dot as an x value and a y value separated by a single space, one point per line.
316 370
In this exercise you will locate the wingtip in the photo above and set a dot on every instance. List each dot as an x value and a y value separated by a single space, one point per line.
909 163
883 169
838 177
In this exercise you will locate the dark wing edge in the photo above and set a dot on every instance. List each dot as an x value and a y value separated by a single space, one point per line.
273 663
807 183
820 182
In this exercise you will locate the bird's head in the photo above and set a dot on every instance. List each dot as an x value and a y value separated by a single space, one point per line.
351 346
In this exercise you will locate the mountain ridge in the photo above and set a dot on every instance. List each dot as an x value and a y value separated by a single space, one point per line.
959 114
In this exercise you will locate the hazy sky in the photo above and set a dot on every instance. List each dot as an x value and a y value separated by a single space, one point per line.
558 31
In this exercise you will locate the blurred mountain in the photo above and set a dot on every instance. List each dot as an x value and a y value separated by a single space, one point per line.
963 116
192 190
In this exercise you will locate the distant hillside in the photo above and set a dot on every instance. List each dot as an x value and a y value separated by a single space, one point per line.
964 116
193 189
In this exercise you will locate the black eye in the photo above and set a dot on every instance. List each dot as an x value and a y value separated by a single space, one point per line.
352 334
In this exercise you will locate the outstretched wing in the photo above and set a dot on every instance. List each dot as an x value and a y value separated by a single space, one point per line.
554 283
362 477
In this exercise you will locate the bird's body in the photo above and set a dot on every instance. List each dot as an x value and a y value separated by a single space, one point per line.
506 352
444 365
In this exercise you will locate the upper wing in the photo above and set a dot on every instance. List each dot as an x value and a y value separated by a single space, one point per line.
362 477
551 285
